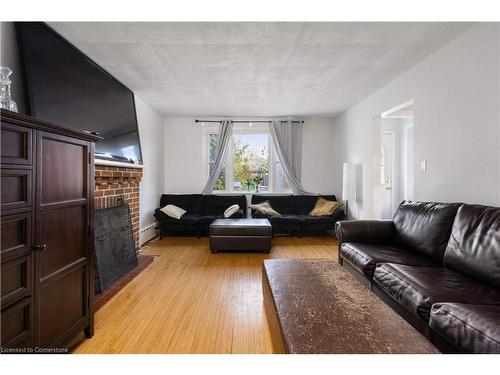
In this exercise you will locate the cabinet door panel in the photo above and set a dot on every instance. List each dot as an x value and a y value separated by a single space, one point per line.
62 304
63 247
63 171
62 230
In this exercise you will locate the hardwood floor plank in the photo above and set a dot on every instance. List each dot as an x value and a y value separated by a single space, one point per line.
191 301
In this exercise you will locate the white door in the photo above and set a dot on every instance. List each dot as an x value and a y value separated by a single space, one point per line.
387 173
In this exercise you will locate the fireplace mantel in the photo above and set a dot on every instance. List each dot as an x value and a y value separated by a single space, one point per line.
117 164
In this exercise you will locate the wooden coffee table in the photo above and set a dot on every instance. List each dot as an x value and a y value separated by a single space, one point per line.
314 306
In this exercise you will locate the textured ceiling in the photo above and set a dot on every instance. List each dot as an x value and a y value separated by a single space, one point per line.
256 69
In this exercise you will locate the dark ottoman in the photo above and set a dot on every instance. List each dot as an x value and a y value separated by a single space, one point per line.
240 235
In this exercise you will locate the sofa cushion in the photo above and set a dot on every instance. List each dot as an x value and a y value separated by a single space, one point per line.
215 204
305 203
284 219
284 204
474 246
317 220
418 288
364 257
207 219
324 207
470 328
187 219
192 203
425 227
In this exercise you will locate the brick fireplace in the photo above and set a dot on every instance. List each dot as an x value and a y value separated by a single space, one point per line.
113 183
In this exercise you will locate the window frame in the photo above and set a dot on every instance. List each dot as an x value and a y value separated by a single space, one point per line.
258 128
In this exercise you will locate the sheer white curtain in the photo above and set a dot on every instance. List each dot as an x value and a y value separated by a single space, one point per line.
287 139
226 132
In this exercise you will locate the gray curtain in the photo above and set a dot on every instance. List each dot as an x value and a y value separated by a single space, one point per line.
226 132
287 139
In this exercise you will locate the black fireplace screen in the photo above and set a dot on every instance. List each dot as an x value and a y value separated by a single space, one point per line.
114 245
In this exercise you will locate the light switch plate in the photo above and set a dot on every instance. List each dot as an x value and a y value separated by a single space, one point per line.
423 165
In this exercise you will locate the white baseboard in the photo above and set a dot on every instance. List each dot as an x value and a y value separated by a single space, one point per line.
147 233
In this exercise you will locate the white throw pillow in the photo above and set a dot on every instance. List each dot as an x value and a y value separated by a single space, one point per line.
173 211
231 210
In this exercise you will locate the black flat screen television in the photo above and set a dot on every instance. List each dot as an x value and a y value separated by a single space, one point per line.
66 87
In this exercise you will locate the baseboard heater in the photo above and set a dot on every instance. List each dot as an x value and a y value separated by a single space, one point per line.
148 233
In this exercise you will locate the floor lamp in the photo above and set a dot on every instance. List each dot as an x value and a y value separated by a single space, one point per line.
348 185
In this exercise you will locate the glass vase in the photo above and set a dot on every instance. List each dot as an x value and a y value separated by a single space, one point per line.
6 101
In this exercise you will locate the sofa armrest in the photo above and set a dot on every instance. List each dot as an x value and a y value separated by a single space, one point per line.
161 217
365 231
338 214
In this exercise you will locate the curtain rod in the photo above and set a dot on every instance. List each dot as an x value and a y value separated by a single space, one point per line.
247 121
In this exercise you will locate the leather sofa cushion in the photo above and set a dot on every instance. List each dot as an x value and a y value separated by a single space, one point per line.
217 204
192 203
470 328
364 257
425 227
418 288
284 204
474 246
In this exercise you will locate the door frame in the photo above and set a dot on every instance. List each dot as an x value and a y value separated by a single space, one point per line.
394 177
376 192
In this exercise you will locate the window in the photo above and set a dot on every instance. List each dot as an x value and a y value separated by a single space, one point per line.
251 164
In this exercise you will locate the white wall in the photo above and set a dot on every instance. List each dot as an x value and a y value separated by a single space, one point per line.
9 57
456 123
150 124
184 171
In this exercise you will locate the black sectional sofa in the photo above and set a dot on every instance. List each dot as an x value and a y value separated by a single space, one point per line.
294 210
437 265
201 211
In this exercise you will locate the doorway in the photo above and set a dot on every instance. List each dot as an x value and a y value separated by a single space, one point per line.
394 161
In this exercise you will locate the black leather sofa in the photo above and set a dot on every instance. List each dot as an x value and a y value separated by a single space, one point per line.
437 265
294 210
201 211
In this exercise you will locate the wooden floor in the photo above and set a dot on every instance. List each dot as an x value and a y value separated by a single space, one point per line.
191 301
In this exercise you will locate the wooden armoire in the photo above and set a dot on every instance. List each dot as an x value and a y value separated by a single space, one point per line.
47 195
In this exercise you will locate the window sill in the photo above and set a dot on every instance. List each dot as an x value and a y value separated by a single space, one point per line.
248 193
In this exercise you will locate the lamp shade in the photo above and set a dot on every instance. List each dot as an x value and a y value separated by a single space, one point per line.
349 182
